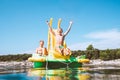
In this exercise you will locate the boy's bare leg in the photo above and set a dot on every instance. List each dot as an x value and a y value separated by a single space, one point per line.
66 51
60 51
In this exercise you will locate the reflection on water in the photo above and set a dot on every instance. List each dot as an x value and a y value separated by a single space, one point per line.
60 74
64 74
105 74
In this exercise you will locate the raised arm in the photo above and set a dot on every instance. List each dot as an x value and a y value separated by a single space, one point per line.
50 28
68 28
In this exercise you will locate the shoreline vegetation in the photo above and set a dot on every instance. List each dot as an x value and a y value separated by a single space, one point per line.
90 53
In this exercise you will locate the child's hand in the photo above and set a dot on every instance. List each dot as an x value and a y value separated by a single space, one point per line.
47 22
71 22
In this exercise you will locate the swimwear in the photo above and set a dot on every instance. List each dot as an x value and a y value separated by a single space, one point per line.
61 47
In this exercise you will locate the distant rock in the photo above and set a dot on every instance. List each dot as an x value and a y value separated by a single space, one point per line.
99 62
15 65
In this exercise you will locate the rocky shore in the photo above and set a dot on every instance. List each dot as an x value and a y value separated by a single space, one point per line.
100 64
13 65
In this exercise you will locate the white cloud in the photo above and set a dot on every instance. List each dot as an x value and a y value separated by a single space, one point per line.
101 40
109 34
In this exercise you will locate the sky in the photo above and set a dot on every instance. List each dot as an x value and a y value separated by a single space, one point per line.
23 23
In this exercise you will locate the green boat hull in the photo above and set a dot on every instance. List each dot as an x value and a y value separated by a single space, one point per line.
56 64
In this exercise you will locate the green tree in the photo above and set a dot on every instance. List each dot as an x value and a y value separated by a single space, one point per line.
104 55
118 54
90 47
89 54
96 53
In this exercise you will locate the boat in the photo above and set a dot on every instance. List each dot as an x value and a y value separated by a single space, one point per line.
54 59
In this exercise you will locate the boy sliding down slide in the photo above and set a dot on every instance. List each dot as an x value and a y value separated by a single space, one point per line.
60 36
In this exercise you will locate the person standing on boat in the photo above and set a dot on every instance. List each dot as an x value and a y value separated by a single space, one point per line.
60 36
41 50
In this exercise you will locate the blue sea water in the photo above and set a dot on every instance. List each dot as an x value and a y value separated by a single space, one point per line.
16 76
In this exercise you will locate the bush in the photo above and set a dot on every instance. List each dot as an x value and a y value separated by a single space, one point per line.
89 54
118 54
17 57
104 56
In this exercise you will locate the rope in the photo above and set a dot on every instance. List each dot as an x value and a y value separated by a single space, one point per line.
46 63
46 67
